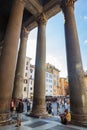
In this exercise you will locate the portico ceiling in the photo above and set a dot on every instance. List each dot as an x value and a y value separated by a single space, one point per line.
32 10
37 7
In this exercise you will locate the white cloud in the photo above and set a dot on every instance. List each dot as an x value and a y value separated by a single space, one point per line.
85 42
85 17
31 45
31 50
59 62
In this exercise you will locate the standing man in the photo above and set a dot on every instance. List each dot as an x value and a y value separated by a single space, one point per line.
19 112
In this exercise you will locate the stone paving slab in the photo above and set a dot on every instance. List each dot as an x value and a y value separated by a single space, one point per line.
36 124
57 119
41 124
58 127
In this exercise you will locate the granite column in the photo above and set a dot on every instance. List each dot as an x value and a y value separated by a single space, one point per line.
39 105
9 57
78 91
18 83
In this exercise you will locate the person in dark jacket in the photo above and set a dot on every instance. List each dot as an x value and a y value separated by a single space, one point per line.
50 108
28 106
19 111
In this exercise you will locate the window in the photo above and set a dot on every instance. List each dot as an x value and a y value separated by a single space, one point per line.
25 74
50 76
55 83
31 82
50 86
27 63
24 88
30 88
26 68
47 80
31 70
30 76
25 81
46 74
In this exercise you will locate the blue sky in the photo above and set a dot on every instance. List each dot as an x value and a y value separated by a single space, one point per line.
55 39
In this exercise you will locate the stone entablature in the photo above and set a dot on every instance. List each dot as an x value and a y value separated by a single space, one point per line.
50 9
42 19
66 3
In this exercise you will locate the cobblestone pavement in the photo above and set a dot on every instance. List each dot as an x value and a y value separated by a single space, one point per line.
51 123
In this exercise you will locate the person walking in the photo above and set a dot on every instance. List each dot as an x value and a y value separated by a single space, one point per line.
50 108
28 107
19 111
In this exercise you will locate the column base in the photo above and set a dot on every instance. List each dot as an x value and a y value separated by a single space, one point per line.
80 120
38 114
5 117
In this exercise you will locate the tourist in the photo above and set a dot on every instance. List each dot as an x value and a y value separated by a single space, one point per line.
19 110
50 108
28 106
65 117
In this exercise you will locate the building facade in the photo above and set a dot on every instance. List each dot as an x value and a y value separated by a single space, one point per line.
26 78
52 81
53 74
86 79
31 82
64 86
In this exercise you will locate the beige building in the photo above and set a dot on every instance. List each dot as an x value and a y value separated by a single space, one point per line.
51 80
86 78
26 77
31 82
55 78
64 86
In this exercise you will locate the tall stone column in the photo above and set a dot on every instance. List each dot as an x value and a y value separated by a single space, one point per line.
78 91
0 50
9 57
18 83
39 106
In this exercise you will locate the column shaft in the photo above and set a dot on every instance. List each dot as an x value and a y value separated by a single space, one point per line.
78 94
9 57
39 106
18 83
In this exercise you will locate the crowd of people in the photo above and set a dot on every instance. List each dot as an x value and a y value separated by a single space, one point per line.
63 109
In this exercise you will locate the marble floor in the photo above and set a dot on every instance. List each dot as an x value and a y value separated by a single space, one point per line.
51 123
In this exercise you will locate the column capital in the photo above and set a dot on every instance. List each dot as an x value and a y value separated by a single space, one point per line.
42 19
24 32
67 3
21 1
